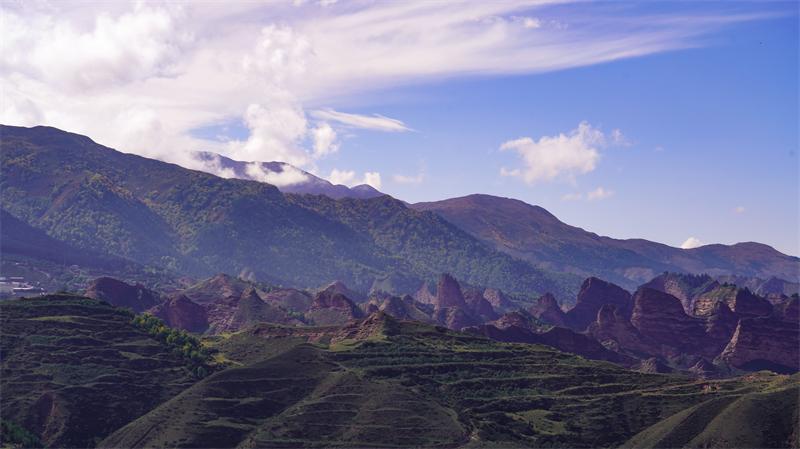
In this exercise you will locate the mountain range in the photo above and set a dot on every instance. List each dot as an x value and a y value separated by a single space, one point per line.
286 177
160 216
533 234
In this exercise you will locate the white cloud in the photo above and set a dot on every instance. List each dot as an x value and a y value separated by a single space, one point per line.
348 178
531 22
739 209
552 157
289 175
344 177
691 242
324 140
374 122
599 194
407 179
373 179
140 76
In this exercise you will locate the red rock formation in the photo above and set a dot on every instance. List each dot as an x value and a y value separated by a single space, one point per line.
120 294
330 307
448 293
455 318
764 343
593 295
659 317
547 309
181 312
497 299
479 306
616 332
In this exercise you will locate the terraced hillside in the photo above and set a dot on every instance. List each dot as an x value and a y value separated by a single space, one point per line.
75 369
389 383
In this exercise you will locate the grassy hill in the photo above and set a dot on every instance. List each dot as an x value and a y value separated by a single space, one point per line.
75 369
158 214
388 383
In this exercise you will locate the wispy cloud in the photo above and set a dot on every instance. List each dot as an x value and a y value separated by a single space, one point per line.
373 122
140 76
600 193
406 179
739 209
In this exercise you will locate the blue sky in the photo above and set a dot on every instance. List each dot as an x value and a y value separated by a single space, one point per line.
688 112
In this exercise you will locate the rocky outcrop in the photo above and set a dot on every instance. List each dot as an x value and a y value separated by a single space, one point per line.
289 298
497 299
216 287
479 306
448 293
653 365
659 317
720 326
340 288
180 312
424 295
764 343
118 293
405 308
455 318
547 309
613 329
739 300
593 295
522 319
330 307
685 287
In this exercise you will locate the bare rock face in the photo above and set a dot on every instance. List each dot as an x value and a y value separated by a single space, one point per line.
685 287
703 369
289 298
739 300
455 318
790 309
653 366
342 289
330 307
497 299
181 312
424 294
547 309
593 295
120 294
521 319
613 329
720 325
764 343
405 308
448 293
659 317
479 306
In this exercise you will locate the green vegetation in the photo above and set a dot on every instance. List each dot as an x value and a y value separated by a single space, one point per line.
13 435
160 215
197 358
408 384
75 369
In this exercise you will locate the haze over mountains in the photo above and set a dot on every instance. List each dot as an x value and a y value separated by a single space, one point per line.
286 177
161 215
247 313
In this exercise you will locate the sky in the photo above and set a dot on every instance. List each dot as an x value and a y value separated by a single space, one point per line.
671 121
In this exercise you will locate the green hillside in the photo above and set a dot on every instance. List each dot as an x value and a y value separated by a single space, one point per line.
75 369
159 214
404 384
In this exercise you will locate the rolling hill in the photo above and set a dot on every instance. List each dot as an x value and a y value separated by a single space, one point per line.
534 234
162 215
